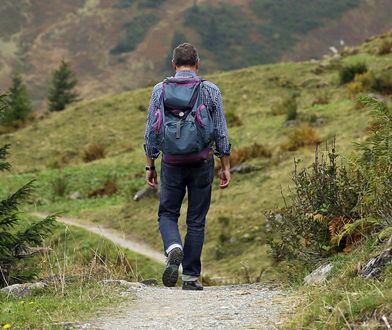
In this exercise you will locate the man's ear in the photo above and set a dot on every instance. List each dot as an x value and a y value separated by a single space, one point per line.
174 66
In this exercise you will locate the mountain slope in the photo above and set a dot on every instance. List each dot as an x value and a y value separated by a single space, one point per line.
123 44
51 150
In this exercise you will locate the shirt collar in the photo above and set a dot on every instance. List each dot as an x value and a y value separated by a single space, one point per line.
185 74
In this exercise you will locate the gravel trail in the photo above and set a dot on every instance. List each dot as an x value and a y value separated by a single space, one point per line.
250 306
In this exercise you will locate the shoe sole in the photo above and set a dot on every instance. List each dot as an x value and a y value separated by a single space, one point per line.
192 289
170 275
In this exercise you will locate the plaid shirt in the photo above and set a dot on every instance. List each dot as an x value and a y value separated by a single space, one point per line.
211 97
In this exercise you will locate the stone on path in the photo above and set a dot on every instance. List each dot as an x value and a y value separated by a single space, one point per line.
22 290
319 275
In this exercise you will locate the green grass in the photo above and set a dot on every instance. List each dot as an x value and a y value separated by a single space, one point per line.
346 300
82 259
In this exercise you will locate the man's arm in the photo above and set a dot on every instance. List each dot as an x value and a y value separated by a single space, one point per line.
222 144
151 152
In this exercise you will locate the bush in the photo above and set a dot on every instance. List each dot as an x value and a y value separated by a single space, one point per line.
93 152
362 83
325 200
348 73
287 106
299 137
233 120
241 155
59 186
383 83
385 48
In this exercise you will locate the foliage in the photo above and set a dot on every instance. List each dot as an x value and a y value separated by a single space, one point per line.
15 244
335 206
93 152
325 200
383 83
245 153
61 91
20 107
287 106
121 4
59 186
347 73
385 47
301 136
134 33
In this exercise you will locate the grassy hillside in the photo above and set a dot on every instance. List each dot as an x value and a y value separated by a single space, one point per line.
52 150
120 45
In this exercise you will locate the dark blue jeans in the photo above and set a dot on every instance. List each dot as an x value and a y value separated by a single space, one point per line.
175 179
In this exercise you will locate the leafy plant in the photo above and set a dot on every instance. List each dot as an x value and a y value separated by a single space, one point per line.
299 137
347 73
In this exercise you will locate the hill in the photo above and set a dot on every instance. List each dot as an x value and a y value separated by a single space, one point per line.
53 150
119 45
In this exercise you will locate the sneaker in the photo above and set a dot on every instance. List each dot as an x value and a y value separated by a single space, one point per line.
170 274
192 285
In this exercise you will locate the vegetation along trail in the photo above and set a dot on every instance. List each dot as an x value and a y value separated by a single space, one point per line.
248 306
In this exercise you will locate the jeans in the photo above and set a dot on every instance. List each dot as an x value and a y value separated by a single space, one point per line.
175 179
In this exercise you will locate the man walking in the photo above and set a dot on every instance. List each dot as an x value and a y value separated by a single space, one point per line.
186 123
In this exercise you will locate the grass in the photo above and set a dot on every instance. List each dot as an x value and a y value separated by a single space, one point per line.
77 262
346 300
116 122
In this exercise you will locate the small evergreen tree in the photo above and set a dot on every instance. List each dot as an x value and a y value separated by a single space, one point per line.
61 91
15 244
20 106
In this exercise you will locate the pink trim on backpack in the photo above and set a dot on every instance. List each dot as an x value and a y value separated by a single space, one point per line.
158 124
195 158
199 119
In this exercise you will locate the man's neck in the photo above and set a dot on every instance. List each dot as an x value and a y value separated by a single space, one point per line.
186 68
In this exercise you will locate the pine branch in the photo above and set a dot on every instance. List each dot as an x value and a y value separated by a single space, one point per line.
11 203
8 221
4 166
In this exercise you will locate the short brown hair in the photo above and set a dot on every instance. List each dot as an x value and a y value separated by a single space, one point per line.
185 55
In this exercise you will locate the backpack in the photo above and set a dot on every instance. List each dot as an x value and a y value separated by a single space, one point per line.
183 129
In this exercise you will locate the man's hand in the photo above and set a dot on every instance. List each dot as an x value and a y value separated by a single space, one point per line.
152 178
225 172
224 179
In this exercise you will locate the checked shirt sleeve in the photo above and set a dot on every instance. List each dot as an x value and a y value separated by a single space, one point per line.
151 151
222 144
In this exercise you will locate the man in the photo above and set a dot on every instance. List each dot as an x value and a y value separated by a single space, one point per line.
194 175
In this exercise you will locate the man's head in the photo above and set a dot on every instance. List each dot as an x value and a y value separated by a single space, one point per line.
185 57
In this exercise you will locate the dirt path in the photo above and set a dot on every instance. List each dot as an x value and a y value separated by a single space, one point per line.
115 236
248 306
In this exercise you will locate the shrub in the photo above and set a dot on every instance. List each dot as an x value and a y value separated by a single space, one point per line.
362 83
287 106
93 152
348 73
324 202
241 155
109 188
383 83
233 120
385 47
299 137
321 98
59 186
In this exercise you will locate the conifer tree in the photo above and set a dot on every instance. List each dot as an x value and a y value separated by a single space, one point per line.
16 244
62 89
20 106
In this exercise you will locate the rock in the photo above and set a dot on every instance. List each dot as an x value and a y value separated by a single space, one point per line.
375 266
129 285
146 192
75 195
244 168
22 290
150 281
290 123
319 275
